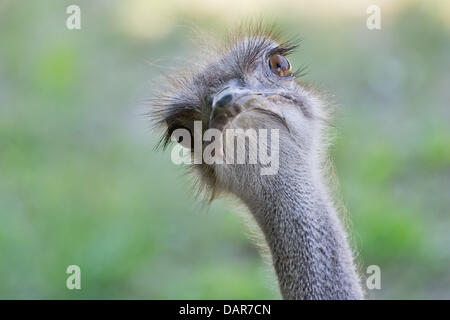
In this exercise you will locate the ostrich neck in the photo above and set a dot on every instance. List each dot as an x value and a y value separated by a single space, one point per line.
309 248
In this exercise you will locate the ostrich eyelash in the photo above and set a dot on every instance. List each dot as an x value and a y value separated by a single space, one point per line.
301 71
283 49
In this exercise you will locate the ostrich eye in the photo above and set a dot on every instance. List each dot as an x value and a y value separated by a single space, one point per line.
280 65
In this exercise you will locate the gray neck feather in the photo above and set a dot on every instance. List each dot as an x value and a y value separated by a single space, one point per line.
309 249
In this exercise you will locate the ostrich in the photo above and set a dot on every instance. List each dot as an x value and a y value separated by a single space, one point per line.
248 84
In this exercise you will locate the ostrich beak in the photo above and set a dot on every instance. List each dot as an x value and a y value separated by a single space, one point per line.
227 104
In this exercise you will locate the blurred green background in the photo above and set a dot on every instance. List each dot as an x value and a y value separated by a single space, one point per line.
81 184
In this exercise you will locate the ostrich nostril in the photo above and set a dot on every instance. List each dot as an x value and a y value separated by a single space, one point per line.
221 108
223 101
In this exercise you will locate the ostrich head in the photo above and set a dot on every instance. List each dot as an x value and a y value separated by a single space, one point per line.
247 84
